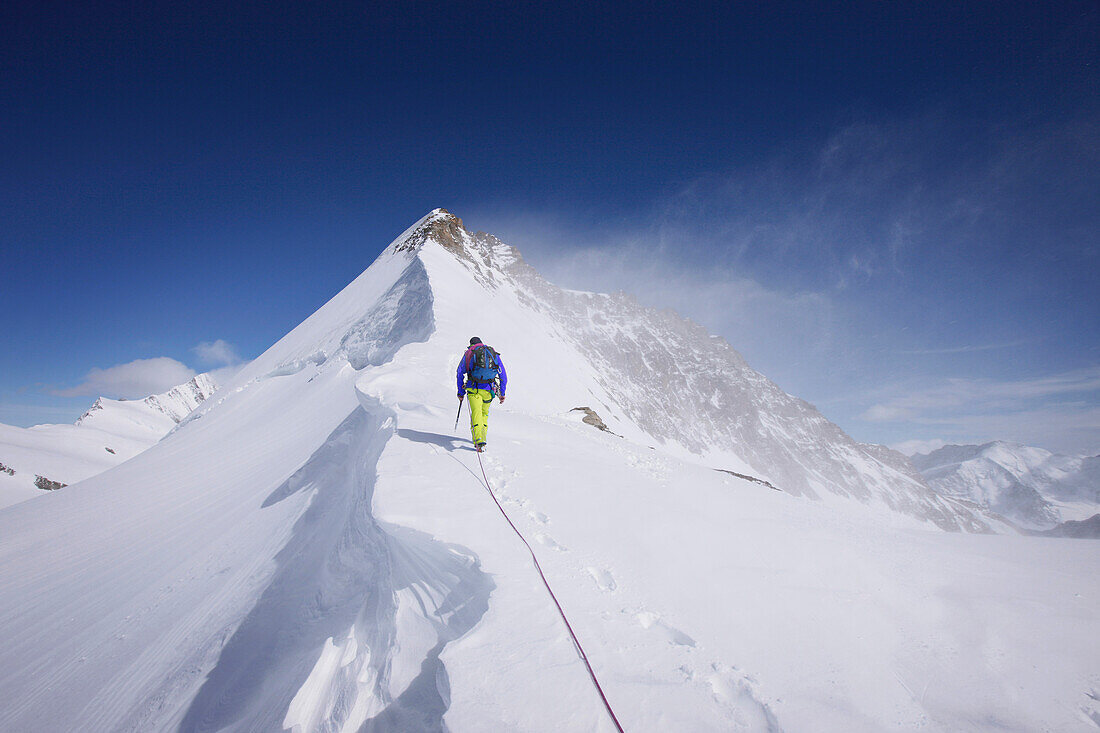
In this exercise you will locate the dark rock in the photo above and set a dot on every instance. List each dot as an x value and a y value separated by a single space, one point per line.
755 480
46 484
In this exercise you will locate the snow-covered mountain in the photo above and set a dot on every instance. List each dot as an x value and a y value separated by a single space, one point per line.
653 376
314 548
1031 486
110 432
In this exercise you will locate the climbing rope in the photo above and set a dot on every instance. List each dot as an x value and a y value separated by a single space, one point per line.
561 611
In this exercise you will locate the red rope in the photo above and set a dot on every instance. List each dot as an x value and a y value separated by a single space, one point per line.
561 611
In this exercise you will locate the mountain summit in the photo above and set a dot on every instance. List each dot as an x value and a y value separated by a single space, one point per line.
656 377
314 549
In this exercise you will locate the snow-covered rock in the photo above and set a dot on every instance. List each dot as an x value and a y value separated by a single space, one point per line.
313 547
110 432
1031 486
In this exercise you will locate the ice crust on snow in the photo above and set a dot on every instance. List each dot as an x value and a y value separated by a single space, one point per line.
313 548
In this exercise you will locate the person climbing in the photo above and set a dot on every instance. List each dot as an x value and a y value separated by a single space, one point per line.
481 375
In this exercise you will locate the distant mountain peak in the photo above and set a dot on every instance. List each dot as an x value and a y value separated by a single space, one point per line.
1029 485
175 403
107 434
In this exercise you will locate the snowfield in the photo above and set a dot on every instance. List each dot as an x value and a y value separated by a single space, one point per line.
314 548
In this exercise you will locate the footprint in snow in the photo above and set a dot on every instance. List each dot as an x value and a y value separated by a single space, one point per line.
652 622
548 541
1090 711
736 693
603 578
539 517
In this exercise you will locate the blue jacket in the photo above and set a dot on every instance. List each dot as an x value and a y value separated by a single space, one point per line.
464 367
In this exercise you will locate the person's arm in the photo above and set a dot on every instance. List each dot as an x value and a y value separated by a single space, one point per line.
461 374
503 378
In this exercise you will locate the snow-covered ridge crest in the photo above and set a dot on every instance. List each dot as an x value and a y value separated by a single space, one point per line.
175 404
656 378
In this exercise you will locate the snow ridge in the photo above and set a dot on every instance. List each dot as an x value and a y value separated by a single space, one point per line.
342 583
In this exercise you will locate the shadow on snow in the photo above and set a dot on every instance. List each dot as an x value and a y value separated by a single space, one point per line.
342 573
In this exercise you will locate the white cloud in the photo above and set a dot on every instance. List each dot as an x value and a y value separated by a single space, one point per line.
981 395
831 268
913 447
218 352
885 413
1056 411
222 375
968 349
138 378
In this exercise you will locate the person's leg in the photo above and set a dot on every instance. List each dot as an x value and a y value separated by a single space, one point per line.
483 429
478 414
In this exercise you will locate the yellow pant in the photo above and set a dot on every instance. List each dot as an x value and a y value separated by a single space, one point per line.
479 413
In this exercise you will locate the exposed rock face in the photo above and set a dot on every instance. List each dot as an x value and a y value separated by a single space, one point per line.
746 477
441 227
47 485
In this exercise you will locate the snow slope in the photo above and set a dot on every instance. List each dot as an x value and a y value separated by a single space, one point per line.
1031 486
657 378
110 432
314 549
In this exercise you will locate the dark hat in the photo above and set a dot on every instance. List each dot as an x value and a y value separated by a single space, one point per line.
475 340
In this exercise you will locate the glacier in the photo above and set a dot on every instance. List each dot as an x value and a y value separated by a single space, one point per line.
313 548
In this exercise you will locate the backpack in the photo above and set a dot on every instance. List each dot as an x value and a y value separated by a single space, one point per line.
483 364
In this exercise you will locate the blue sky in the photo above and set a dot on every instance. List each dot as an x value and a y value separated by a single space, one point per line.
891 209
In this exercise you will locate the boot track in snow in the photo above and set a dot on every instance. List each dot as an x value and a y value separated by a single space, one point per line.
561 611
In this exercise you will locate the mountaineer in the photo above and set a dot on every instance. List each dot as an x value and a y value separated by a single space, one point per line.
481 376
